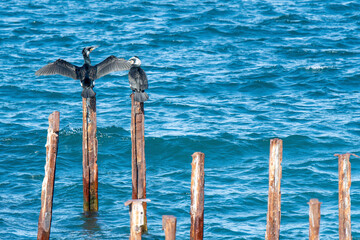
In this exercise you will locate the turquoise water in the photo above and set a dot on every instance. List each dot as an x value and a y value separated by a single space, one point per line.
224 78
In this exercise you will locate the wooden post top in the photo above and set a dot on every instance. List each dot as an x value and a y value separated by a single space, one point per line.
346 155
168 218
54 121
314 201
200 154
136 201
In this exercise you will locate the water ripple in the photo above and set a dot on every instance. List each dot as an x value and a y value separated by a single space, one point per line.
225 78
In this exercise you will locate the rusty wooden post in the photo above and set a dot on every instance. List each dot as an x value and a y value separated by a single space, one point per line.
197 196
138 154
137 213
344 196
47 191
314 219
169 226
274 199
90 145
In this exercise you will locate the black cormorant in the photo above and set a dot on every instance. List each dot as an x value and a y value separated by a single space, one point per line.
138 80
87 74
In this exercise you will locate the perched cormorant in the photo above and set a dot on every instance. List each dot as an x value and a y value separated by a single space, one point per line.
138 80
87 74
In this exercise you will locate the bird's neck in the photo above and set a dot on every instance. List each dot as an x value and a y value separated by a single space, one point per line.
87 60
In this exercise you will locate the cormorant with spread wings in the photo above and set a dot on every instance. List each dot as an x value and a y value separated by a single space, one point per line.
87 74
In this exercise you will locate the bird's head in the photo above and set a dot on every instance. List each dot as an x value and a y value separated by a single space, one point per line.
135 61
86 51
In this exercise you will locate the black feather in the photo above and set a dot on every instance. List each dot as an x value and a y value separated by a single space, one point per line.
141 96
60 67
88 93
111 64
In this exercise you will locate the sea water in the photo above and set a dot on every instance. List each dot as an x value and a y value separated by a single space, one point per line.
225 77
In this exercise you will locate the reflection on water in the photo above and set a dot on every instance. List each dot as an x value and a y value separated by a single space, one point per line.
90 224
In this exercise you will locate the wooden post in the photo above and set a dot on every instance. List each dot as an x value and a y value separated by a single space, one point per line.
47 191
314 219
137 213
138 154
197 196
90 145
344 196
169 226
274 199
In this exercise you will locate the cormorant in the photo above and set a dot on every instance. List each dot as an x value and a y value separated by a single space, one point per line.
138 80
87 74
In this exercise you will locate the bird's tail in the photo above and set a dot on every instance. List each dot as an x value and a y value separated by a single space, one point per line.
88 93
140 96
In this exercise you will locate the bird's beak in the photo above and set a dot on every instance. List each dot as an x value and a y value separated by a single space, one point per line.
131 61
92 48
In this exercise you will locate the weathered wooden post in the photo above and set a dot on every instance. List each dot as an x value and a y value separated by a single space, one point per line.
136 211
344 196
314 219
90 148
47 191
197 196
169 226
274 199
138 154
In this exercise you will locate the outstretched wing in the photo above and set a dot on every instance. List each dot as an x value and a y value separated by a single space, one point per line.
111 64
61 67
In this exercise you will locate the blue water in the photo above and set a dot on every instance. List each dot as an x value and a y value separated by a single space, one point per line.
224 78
